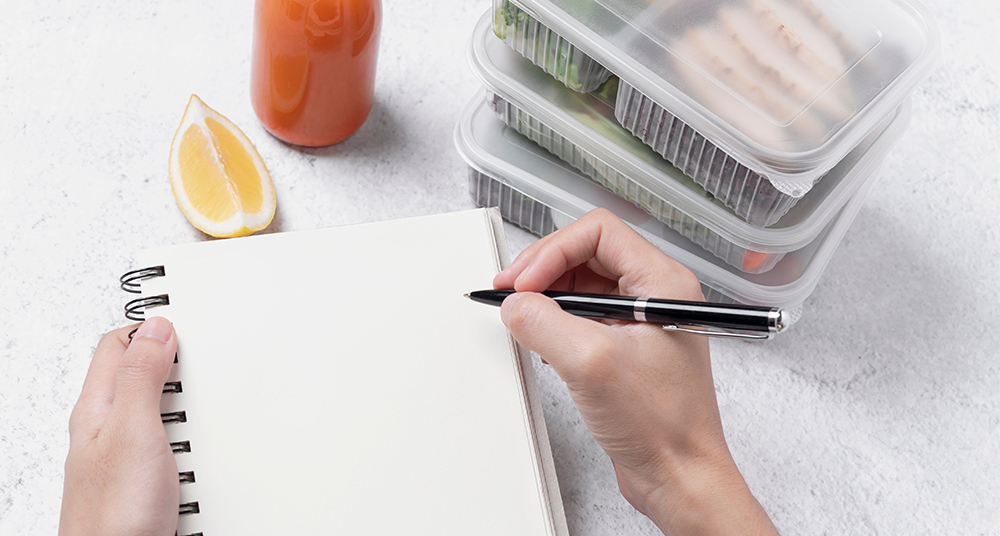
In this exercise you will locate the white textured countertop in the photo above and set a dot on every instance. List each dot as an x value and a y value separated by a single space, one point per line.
879 413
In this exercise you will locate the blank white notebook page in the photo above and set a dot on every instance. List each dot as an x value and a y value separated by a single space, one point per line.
337 382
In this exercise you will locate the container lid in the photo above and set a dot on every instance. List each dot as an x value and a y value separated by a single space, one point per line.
498 151
786 87
588 121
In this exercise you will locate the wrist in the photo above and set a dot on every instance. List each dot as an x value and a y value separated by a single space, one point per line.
706 494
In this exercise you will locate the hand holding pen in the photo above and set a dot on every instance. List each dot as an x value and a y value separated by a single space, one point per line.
647 395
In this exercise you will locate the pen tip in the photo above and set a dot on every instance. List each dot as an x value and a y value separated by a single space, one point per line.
467 295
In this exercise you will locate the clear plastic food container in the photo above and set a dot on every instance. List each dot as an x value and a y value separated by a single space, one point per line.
546 49
581 130
540 193
785 88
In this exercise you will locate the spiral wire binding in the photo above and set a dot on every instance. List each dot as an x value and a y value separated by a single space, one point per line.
174 416
130 281
135 310
189 508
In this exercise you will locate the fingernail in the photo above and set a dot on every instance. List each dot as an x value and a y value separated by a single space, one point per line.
155 328
506 306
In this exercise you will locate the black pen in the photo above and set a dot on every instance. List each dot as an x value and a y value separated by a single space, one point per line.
729 320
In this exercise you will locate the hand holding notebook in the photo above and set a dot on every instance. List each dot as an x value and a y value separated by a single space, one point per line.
121 477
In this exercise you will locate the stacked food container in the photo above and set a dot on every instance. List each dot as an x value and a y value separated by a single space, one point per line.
739 136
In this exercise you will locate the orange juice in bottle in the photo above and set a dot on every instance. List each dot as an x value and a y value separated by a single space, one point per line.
312 74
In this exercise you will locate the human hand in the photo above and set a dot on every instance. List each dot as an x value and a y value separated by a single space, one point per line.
646 395
121 477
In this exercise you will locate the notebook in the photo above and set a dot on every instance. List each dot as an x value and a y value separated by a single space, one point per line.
337 381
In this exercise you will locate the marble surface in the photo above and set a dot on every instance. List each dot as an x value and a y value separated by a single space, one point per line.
878 414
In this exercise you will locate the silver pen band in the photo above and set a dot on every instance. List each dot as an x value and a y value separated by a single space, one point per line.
776 320
639 309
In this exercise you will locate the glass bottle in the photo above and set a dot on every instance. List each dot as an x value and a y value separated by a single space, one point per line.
312 76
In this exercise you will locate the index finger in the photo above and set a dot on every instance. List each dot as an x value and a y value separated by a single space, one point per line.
526 259
610 246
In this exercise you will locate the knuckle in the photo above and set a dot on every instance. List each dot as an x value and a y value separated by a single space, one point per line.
602 214
82 429
110 340
600 217
75 423
75 417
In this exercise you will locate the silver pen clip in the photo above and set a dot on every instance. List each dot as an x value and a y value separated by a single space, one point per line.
719 332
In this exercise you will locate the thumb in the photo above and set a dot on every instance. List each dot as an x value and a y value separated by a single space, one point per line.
575 347
144 369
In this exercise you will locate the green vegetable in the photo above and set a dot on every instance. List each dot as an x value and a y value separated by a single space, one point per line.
557 57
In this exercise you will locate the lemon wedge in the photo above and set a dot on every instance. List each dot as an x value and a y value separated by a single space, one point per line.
218 178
